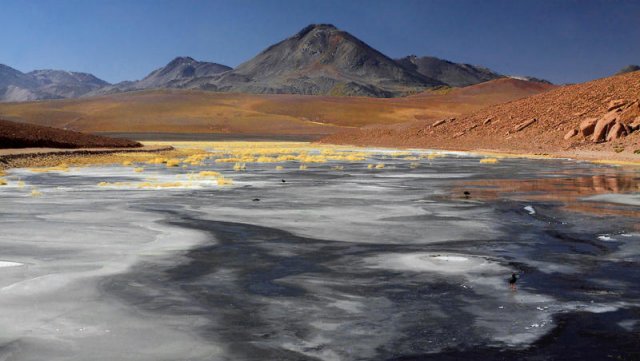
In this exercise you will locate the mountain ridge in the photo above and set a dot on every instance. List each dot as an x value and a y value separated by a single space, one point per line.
448 72
319 59
45 84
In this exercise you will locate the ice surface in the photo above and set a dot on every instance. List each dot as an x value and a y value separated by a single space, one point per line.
628 199
9 264
334 265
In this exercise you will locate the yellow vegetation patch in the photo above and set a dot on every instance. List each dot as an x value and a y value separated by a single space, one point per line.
279 167
337 167
239 166
127 163
379 165
3 182
414 165
489 160
222 181
161 185
20 184
208 173
399 154
35 193
62 167
303 167
173 162
138 169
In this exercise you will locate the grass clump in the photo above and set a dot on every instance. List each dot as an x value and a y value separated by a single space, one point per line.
489 160
379 166
35 192
279 167
172 162
208 173
222 181
239 166
62 167
3 182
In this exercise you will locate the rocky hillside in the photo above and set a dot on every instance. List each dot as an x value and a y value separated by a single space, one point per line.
452 74
321 59
16 86
20 135
593 116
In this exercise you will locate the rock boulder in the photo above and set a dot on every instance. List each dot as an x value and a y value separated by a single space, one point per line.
570 134
603 125
617 131
587 126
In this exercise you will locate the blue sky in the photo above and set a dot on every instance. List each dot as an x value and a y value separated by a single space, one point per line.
563 41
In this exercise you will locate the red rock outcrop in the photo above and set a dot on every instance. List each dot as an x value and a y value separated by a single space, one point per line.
559 113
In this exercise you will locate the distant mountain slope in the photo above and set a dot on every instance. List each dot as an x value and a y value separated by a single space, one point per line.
179 71
320 59
175 74
453 74
495 91
66 84
16 86
628 69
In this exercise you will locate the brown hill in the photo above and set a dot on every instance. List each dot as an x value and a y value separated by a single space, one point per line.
17 135
190 111
511 126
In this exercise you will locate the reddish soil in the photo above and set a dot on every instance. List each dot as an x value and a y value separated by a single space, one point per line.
19 135
189 111
504 127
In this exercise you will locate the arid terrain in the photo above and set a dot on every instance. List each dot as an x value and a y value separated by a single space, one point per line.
191 111
20 135
561 121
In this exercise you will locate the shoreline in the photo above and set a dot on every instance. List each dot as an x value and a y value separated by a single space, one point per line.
43 157
599 157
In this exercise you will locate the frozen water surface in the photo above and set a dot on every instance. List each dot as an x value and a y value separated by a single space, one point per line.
355 264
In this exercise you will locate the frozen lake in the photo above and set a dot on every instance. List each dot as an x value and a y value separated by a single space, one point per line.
338 261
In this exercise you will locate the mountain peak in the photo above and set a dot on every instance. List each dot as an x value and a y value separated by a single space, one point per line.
321 59
311 27
181 60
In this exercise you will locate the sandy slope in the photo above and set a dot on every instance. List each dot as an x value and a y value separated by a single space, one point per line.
18 135
184 111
